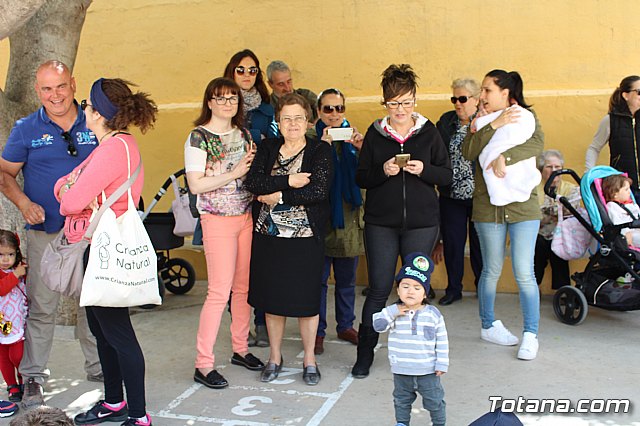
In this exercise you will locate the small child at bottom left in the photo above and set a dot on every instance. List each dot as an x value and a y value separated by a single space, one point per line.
13 309
418 344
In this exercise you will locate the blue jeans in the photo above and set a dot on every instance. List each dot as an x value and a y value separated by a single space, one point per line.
383 245
493 238
344 272
429 387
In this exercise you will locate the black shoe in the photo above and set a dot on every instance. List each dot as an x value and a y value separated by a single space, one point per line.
212 380
15 393
448 299
431 294
367 341
311 375
248 361
99 413
271 371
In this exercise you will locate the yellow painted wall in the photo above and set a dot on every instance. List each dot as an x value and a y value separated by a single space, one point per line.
571 55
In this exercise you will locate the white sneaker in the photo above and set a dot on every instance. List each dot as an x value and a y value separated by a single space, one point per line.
529 347
499 335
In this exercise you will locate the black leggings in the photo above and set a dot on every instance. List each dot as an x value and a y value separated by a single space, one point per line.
120 356
383 245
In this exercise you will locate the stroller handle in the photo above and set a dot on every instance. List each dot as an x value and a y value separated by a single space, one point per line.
551 190
161 192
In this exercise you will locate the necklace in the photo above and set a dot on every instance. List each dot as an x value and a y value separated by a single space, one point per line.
106 134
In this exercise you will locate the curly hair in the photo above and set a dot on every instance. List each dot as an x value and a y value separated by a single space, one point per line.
133 108
398 80
43 416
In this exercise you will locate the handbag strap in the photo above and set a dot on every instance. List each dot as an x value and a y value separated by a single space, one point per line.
117 194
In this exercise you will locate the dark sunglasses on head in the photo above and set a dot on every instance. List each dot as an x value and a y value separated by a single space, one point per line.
462 99
71 147
251 70
84 104
328 109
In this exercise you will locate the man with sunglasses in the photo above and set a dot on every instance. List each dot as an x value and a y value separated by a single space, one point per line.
280 81
46 145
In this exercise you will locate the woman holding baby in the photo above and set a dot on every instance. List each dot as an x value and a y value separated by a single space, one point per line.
502 95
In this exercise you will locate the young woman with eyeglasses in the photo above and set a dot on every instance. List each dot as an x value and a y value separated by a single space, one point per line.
218 154
244 69
111 109
456 199
620 130
401 214
343 243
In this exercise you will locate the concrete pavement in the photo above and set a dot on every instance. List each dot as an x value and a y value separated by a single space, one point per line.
597 359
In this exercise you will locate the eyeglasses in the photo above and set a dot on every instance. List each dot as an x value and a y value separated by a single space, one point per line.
635 90
71 147
462 99
221 100
84 104
408 103
328 109
298 119
251 70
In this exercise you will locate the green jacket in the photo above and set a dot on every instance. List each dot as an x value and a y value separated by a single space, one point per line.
347 242
483 210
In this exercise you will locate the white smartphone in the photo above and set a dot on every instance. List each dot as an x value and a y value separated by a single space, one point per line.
341 133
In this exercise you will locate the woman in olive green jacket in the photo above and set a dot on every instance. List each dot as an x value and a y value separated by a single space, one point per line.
501 90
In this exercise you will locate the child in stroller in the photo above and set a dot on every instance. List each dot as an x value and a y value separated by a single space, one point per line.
621 207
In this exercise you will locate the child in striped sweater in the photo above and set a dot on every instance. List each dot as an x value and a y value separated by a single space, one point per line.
418 343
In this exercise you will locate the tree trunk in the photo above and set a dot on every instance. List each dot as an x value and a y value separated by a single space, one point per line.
52 31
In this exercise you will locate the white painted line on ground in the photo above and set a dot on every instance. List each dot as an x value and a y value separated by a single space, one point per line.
176 402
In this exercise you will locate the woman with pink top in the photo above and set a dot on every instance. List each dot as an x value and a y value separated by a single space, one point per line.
110 110
218 154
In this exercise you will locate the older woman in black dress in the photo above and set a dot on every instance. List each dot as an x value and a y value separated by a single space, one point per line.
291 177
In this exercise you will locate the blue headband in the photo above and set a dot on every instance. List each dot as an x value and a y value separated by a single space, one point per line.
100 102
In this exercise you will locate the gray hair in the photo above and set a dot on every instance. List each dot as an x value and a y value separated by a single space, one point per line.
468 84
545 155
276 66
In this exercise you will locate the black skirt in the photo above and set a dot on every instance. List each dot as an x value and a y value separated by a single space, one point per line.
286 275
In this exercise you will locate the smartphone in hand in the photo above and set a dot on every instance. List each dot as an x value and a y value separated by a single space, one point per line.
402 159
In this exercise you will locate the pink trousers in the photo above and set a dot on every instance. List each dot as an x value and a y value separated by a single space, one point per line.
227 250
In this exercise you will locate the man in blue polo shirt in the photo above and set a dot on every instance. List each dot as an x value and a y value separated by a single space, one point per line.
46 145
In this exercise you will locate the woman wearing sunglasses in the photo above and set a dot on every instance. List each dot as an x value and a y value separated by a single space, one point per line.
111 110
455 199
620 130
218 154
402 159
244 69
343 243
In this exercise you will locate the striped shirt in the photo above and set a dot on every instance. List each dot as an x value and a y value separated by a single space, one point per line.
418 342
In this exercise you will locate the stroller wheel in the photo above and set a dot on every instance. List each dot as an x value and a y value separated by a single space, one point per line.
178 276
570 305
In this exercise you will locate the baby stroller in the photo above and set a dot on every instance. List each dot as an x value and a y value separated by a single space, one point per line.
177 275
599 284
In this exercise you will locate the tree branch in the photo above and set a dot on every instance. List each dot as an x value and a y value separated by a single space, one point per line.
14 14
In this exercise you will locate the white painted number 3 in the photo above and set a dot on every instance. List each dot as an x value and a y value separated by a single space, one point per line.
245 404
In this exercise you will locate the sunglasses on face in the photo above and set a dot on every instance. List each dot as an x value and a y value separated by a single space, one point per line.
84 104
462 99
635 90
71 147
240 70
328 109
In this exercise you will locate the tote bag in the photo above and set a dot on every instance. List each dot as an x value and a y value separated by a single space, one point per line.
185 222
122 270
